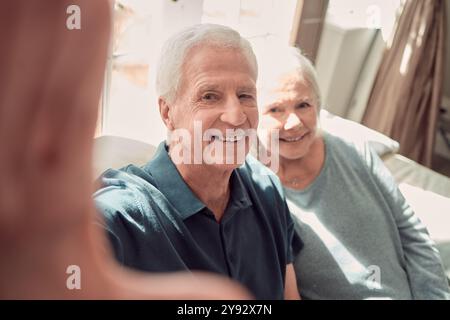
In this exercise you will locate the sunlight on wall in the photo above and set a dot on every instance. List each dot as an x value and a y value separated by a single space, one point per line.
252 18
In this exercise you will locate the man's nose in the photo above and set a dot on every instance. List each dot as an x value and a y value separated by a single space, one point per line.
234 113
292 121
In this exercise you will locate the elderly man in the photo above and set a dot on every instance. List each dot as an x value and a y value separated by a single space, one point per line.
192 207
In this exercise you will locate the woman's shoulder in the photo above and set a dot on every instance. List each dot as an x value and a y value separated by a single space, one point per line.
354 149
347 143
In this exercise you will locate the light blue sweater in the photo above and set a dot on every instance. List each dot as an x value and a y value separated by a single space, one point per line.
361 239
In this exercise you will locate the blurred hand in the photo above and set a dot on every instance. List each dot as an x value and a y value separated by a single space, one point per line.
50 84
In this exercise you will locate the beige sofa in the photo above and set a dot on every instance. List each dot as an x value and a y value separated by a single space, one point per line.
427 191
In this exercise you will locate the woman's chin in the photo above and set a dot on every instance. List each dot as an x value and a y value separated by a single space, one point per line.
292 153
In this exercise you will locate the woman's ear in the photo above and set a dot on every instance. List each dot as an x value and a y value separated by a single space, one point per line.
164 111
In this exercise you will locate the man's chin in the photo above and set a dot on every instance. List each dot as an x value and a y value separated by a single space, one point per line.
224 163
220 155
224 167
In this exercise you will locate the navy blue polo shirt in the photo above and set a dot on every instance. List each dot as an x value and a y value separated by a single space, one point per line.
156 223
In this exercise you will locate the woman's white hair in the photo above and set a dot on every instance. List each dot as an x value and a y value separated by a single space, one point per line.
175 49
277 61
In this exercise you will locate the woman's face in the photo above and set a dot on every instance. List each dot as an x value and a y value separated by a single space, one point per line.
290 107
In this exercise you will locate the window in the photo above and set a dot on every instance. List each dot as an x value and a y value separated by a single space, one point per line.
129 103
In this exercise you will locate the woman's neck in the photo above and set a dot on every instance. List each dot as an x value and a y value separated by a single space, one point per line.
300 173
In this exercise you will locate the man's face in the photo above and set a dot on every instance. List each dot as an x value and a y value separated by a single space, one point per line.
218 91
291 109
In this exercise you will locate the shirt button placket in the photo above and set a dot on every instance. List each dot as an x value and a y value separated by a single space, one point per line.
227 248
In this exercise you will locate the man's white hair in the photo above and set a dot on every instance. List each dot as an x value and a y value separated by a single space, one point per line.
175 49
277 61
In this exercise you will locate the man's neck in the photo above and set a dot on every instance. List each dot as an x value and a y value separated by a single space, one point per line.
210 184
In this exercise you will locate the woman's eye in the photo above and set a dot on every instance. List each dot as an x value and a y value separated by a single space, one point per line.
275 109
303 105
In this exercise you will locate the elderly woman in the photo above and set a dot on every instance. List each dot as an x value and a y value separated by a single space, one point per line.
361 239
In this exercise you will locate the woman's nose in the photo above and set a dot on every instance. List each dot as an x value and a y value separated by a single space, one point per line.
292 121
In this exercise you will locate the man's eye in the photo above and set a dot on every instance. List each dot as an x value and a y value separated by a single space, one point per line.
245 96
209 97
303 105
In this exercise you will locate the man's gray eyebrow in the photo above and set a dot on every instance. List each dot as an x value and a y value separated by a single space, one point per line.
248 89
207 87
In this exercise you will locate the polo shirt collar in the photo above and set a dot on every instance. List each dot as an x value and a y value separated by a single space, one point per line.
171 184
169 181
238 191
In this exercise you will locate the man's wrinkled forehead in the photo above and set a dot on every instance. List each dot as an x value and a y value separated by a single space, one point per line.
216 62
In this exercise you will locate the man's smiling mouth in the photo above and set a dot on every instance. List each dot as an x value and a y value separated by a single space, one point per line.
229 138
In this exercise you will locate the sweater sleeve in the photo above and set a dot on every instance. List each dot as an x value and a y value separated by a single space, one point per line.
423 263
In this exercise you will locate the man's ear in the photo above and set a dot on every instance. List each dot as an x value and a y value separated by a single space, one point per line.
164 111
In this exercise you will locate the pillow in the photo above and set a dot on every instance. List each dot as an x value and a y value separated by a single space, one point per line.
350 131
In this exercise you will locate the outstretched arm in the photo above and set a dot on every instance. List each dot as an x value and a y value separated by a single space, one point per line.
50 83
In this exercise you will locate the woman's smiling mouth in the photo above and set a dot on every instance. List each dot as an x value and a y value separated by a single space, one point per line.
294 138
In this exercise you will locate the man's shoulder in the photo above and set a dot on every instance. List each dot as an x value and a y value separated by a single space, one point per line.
117 181
128 174
125 194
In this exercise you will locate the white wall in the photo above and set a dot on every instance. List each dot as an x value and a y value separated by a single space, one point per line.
343 51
